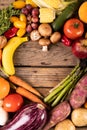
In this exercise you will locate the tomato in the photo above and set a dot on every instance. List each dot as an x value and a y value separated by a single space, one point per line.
12 102
73 28
4 88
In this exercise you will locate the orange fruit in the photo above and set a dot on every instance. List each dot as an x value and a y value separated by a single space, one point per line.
4 88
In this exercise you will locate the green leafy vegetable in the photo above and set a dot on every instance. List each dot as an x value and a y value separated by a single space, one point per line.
5 15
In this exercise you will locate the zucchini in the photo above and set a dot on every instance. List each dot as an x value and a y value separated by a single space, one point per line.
66 14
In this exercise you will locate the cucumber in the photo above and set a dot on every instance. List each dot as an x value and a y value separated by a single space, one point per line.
66 14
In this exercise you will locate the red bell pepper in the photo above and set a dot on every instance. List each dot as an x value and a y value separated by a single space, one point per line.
11 32
66 41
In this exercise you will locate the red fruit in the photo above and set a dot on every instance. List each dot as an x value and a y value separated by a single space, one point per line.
12 102
29 28
79 48
34 25
66 41
35 12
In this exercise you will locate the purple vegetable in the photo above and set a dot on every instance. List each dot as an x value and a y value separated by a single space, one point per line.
58 113
79 94
30 117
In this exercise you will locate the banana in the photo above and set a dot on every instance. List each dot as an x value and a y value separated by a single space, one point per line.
8 53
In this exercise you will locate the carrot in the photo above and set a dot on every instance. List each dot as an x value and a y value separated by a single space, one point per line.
18 81
27 94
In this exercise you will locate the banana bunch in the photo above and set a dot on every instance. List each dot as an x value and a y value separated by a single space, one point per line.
8 53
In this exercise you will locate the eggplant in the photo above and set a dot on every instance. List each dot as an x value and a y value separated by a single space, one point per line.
30 117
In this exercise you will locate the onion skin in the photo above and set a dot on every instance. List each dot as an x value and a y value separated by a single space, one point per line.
58 113
30 117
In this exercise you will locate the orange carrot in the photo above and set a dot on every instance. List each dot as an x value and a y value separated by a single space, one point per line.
18 81
29 95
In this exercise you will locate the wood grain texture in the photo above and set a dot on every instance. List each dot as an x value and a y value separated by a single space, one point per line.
5 3
43 70
30 54
42 77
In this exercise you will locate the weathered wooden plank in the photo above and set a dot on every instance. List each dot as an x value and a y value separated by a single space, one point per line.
42 77
5 3
30 54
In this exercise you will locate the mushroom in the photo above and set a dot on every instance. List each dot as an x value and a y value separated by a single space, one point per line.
45 30
55 37
44 42
35 35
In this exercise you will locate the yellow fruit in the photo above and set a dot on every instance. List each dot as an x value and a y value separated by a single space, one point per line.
20 24
21 32
13 19
47 15
83 12
31 2
19 4
23 18
8 52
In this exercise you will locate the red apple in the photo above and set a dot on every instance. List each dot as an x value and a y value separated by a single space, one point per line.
79 48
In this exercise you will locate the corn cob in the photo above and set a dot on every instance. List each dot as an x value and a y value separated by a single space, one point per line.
47 15
41 3
53 3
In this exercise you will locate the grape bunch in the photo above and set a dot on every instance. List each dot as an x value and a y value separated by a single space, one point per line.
32 15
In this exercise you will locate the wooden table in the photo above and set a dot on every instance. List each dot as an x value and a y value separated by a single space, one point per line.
43 70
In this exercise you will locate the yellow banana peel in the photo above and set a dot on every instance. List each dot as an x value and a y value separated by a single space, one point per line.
8 53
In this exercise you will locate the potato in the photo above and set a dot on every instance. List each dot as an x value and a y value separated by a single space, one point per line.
65 125
79 117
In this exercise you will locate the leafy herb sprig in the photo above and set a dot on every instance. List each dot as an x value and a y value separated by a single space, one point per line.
5 15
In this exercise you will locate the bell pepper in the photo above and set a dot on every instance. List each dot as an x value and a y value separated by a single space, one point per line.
21 32
19 4
66 41
20 24
23 17
11 32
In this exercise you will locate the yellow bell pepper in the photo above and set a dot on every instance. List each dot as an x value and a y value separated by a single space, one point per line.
13 19
19 4
23 18
19 24
21 32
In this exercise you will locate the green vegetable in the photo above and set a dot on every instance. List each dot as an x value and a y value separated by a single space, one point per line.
60 92
5 15
66 14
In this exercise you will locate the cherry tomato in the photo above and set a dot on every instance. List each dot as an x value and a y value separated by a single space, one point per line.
73 28
4 88
12 102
